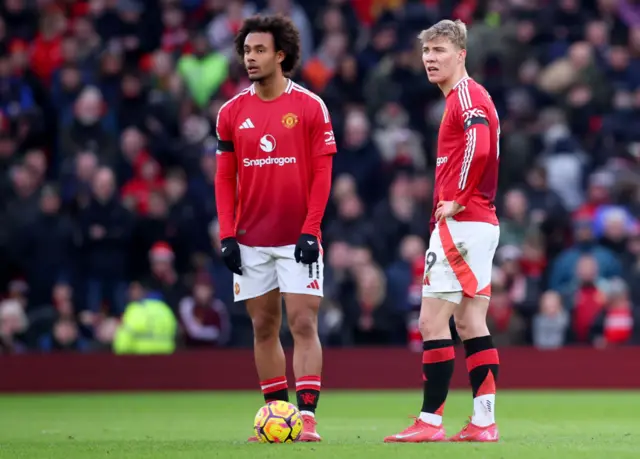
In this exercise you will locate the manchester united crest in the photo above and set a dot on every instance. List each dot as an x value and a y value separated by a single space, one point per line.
290 120
236 288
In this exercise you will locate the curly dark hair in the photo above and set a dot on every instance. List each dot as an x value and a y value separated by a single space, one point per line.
286 38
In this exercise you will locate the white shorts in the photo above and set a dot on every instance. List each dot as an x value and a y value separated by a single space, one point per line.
460 259
268 268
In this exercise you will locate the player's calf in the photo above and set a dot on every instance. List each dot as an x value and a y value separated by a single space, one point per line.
437 368
482 358
302 314
438 356
266 316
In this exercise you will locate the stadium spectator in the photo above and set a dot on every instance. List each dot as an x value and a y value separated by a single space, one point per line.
587 297
507 327
204 318
405 274
551 323
614 324
369 317
105 233
107 159
89 129
46 248
164 280
148 327
13 324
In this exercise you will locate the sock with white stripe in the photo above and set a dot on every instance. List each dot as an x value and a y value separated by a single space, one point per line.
275 389
483 364
308 393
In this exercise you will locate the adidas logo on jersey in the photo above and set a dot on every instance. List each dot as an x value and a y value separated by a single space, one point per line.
247 124
314 285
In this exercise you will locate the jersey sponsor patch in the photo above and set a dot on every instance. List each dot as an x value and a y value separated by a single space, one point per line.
329 138
267 143
269 161
473 113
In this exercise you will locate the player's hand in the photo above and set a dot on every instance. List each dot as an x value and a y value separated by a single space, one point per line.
447 209
231 255
307 249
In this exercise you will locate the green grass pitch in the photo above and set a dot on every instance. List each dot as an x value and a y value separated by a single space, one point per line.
533 425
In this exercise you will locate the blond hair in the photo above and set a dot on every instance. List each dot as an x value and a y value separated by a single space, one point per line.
454 31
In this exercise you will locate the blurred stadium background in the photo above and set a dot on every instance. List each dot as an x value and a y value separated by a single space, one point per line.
107 139
107 160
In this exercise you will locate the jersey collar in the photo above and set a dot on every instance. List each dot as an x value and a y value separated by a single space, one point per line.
462 80
287 90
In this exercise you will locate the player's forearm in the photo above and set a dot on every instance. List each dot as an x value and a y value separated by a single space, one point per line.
225 188
478 146
320 190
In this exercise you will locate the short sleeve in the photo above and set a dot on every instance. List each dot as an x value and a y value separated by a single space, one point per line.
223 132
323 140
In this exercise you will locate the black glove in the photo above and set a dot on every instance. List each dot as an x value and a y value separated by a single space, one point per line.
231 255
307 249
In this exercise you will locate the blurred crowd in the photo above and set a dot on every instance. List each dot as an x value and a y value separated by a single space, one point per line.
107 165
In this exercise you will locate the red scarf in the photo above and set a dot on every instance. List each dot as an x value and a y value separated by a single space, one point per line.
618 325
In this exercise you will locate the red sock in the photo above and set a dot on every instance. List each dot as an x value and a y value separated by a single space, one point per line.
275 389
308 392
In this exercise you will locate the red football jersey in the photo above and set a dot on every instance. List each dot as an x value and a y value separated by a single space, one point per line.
468 153
274 143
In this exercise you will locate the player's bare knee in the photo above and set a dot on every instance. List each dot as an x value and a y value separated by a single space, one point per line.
472 329
302 315
433 328
265 328
303 325
434 318
462 323
433 324
462 326
470 317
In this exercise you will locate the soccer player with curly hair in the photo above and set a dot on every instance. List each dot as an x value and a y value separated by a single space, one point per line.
275 153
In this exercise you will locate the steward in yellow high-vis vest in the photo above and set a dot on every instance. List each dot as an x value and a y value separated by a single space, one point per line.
148 327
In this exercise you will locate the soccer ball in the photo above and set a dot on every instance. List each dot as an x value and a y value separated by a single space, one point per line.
278 422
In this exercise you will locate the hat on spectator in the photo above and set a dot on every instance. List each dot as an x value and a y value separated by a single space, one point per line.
161 251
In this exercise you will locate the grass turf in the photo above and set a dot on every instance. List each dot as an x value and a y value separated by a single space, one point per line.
533 425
